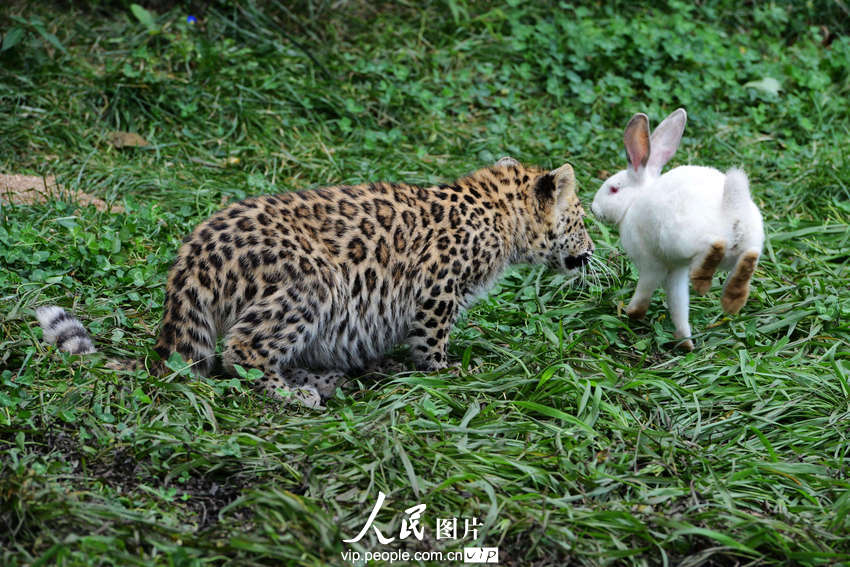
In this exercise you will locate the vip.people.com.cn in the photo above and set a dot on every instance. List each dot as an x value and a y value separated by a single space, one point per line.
467 555
446 529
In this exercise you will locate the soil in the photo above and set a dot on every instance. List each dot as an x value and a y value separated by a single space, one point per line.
201 497
30 189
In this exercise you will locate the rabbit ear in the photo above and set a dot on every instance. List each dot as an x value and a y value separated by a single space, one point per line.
665 139
636 139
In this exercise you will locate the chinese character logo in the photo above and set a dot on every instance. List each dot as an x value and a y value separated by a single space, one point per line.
409 525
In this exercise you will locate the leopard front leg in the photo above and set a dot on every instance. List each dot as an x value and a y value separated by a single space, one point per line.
428 336
323 381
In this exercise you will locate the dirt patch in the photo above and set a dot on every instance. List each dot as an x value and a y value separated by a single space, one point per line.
200 497
208 495
30 189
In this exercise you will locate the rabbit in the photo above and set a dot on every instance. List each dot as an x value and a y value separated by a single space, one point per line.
691 220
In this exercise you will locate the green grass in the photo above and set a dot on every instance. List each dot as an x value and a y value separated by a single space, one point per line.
574 435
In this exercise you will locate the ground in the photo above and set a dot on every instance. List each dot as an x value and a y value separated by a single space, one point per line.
572 434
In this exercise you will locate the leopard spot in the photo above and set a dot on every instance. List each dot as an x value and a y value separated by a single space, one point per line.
367 228
437 212
272 277
371 279
347 209
332 246
319 212
356 250
382 252
306 266
454 217
399 241
384 213
305 244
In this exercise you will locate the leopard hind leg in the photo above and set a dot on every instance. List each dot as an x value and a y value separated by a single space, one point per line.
187 329
271 336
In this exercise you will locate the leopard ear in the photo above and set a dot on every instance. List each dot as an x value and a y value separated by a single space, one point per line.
507 161
557 185
544 188
565 184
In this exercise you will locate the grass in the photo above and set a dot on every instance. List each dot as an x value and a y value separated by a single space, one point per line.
572 435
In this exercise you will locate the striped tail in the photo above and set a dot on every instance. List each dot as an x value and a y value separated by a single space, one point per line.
68 334
64 330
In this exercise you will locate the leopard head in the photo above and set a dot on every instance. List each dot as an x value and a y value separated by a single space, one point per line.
557 235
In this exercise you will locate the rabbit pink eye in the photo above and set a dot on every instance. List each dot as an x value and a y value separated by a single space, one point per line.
614 189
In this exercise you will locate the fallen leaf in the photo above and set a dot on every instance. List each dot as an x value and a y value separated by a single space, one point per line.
127 140
766 85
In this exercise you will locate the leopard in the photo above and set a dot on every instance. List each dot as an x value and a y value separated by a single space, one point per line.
310 286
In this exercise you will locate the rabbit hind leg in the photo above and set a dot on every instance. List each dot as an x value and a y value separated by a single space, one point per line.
737 288
704 268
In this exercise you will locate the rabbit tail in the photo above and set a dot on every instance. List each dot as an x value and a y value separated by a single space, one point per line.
736 190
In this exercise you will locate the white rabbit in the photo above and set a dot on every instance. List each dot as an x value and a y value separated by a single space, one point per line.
691 220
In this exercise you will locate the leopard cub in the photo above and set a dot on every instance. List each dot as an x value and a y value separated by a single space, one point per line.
310 285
